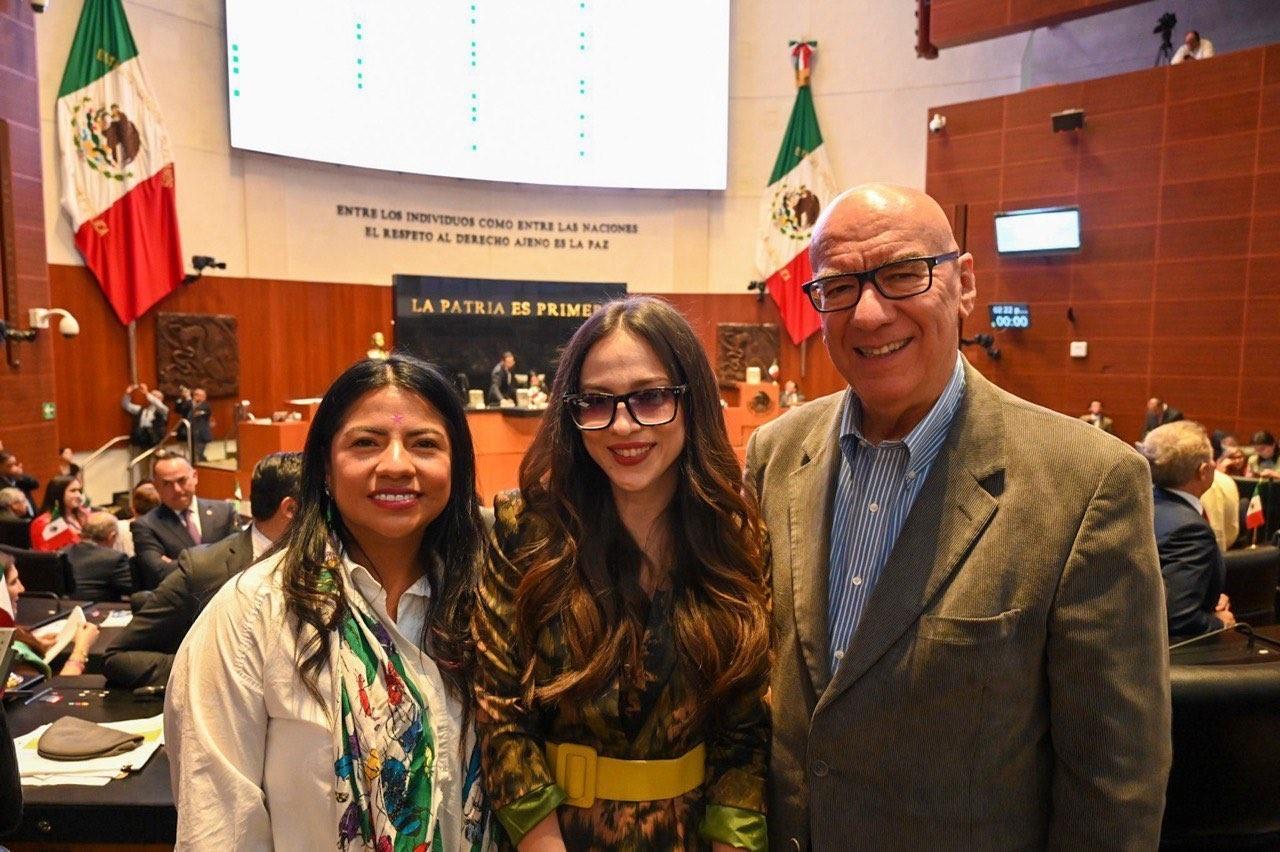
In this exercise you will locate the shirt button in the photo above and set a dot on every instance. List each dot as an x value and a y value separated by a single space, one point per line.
839 655
857 581
820 768
911 474
874 507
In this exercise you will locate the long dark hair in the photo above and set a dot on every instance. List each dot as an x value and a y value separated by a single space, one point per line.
582 567
54 495
452 546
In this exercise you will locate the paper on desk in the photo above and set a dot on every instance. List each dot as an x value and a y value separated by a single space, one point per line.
37 771
66 628
117 618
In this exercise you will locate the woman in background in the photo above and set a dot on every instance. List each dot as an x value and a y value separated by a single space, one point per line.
62 514
1263 463
30 648
627 615
320 700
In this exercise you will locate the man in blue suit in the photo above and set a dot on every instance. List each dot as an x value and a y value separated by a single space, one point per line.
1181 470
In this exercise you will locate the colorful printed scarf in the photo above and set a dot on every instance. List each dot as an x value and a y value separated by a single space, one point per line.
384 744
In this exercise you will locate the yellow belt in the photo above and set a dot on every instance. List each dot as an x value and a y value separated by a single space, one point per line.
585 776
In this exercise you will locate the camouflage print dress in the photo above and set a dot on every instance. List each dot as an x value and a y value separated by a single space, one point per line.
636 718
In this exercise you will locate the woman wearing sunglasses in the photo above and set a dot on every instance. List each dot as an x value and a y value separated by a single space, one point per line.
623 632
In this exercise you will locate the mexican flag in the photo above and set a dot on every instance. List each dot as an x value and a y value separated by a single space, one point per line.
117 166
1253 517
801 185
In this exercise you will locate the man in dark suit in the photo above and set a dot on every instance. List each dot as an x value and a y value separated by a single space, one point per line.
1159 413
13 476
102 572
193 405
143 653
1182 471
180 521
501 383
15 525
966 594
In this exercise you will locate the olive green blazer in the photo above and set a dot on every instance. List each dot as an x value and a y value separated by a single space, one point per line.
1007 687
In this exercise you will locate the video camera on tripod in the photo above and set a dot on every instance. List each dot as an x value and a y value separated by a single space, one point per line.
1164 27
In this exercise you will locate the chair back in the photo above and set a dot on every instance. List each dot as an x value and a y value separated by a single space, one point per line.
1225 779
15 532
43 572
1252 576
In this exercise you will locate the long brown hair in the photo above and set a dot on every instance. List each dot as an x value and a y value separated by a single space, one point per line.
582 567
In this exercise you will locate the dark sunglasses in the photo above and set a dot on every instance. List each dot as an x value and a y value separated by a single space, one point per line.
647 407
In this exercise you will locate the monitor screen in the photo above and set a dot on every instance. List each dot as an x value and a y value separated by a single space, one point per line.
1049 229
578 94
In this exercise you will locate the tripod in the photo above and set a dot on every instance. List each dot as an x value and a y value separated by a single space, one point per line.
1165 53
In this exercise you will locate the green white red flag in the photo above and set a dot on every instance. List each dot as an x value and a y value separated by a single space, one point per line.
1253 517
801 185
117 165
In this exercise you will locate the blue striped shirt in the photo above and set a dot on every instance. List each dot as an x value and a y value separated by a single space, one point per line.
875 489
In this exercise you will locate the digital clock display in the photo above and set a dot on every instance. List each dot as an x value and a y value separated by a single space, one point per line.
1010 315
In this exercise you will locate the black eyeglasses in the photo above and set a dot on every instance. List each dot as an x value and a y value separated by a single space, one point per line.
900 279
647 407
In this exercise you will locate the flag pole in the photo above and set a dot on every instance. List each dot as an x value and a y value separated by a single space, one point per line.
804 350
132 331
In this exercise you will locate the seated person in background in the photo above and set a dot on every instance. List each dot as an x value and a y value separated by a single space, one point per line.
62 515
180 521
149 420
1221 504
14 526
33 647
13 476
1233 462
143 653
1192 47
13 505
66 463
142 499
102 572
537 390
502 385
1263 462
790 396
1095 417
1159 413
1181 471
193 405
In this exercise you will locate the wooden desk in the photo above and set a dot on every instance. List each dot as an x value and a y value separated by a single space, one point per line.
500 436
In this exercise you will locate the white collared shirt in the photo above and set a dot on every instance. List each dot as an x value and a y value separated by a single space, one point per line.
1190 498
251 750
261 544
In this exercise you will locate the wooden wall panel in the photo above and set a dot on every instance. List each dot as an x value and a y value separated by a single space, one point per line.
1177 286
295 338
23 391
955 22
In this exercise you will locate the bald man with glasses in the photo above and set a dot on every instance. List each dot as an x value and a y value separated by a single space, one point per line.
967 597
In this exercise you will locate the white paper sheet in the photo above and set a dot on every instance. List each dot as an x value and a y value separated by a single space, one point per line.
37 771
66 628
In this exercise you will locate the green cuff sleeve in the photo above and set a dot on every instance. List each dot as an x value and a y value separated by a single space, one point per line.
735 826
519 817
24 654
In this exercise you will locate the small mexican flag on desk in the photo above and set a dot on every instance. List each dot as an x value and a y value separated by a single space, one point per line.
117 165
1253 517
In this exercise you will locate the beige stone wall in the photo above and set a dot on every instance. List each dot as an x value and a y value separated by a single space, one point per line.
276 218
